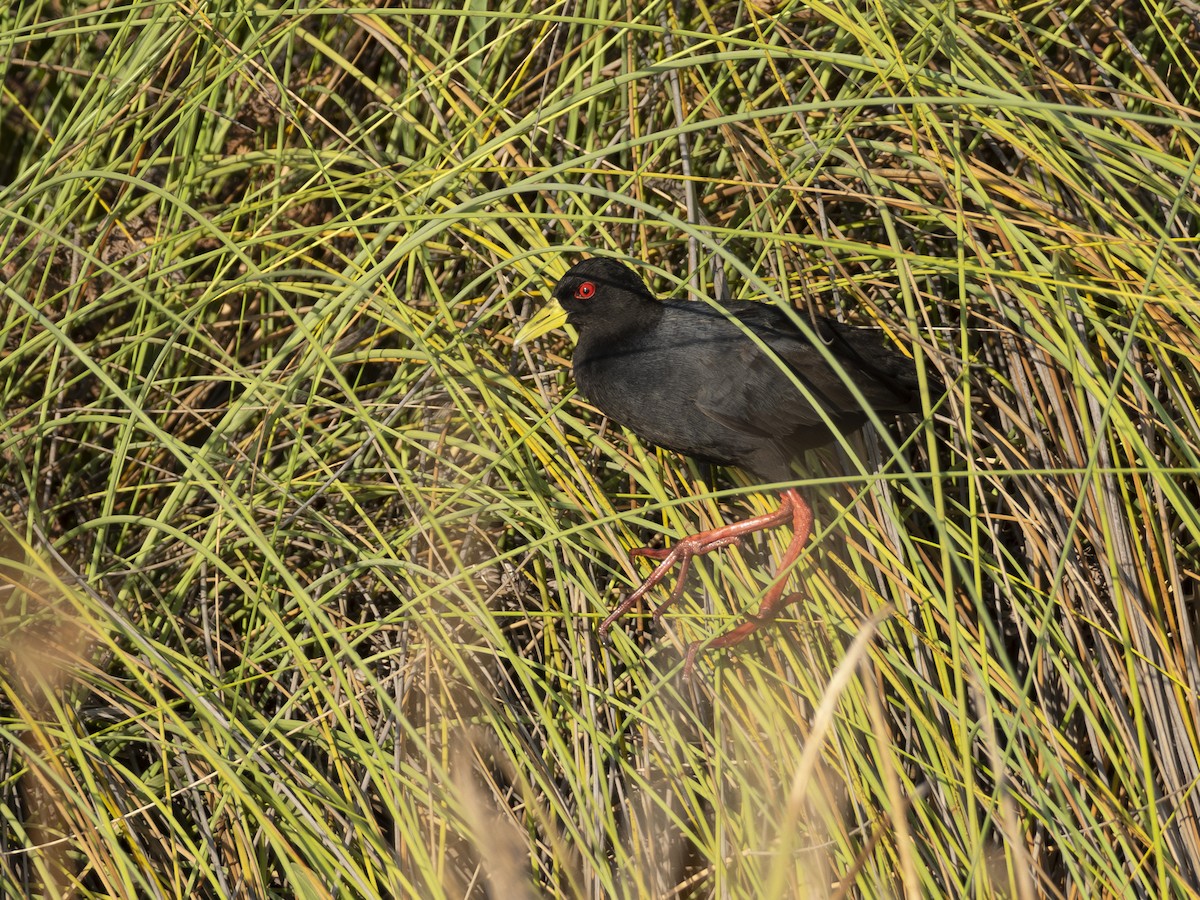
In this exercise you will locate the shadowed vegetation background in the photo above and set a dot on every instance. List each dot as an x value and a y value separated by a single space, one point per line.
302 562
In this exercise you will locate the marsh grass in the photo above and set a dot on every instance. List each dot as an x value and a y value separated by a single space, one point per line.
303 561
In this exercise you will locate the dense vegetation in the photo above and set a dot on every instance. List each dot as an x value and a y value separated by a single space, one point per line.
301 561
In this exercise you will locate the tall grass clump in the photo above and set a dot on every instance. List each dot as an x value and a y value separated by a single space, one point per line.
302 560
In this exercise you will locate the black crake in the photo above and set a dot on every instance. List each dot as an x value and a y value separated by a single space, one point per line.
686 377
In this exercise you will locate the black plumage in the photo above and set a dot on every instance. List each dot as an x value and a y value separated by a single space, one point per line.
690 377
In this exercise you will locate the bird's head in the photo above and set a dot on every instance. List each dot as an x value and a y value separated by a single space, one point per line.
595 289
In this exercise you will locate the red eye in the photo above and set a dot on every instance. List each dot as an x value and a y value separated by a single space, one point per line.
585 291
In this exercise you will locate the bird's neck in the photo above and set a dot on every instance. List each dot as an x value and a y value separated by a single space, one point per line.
629 325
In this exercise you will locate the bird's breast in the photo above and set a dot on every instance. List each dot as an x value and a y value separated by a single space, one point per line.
654 394
630 384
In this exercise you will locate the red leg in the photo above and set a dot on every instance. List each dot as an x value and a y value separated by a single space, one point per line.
792 507
775 601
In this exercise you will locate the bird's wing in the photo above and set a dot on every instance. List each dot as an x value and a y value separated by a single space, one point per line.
760 397
756 395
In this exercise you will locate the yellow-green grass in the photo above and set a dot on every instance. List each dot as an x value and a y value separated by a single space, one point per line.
303 561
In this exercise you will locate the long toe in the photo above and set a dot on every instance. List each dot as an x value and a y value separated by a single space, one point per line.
650 552
753 622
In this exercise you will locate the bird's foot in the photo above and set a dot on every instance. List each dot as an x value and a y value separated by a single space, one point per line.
771 608
682 551
661 553
792 508
680 554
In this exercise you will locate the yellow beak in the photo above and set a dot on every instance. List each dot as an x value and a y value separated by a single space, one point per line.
548 318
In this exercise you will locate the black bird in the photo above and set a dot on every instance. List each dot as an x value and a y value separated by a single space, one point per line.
696 379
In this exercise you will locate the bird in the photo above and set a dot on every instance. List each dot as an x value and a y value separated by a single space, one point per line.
719 383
